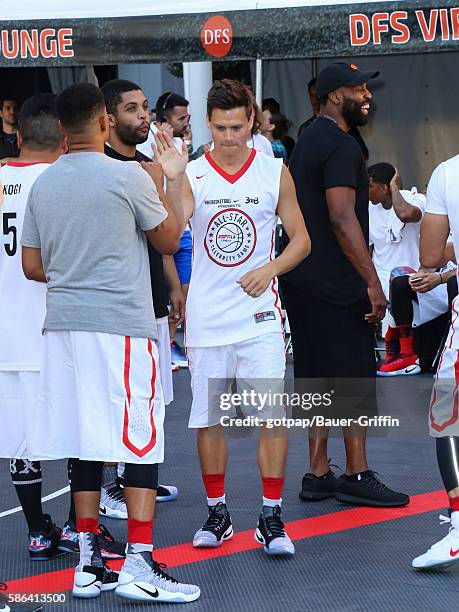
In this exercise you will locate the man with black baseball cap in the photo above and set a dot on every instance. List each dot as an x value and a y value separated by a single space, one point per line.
334 297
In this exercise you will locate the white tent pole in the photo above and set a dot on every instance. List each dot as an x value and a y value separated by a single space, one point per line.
259 81
197 80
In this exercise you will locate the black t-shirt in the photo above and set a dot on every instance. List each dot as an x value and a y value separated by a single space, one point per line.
327 157
158 282
8 145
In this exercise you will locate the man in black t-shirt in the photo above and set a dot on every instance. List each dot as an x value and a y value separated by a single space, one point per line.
9 113
127 109
334 296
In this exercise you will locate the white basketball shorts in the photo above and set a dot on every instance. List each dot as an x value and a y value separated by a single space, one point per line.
164 350
444 403
100 399
18 407
256 364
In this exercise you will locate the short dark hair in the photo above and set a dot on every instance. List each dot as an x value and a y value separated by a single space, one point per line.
113 90
228 94
2 100
78 104
271 104
311 83
166 103
39 123
282 125
381 173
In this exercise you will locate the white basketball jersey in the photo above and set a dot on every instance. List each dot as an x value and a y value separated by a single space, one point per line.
22 302
233 228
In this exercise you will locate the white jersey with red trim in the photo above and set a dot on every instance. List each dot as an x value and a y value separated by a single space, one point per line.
233 228
23 302
443 199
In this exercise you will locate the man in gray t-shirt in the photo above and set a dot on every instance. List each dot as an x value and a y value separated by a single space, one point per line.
100 396
88 214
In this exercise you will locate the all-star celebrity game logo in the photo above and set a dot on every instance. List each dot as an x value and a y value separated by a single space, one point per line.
230 238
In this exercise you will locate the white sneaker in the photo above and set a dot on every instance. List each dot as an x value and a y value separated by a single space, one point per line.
112 502
445 552
142 579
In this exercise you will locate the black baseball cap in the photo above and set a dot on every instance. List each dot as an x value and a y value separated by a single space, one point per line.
341 74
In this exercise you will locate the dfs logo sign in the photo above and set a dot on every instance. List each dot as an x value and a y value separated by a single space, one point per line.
217 36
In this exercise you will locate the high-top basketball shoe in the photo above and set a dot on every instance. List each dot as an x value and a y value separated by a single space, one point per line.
401 360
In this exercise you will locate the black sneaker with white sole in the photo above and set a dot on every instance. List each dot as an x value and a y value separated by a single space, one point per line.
142 579
366 489
216 529
271 533
166 493
316 488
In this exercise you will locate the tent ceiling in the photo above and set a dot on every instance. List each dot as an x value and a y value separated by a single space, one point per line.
81 9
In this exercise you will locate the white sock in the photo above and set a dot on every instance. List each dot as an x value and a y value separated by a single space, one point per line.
138 548
272 502
213 501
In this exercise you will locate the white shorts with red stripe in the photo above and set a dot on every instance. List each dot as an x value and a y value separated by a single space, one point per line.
100 399
18 405
443 412
257 363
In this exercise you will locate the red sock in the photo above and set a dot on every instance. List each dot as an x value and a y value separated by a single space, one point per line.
272 487
214 484
406 340
85 525
454 503
392 333
140 532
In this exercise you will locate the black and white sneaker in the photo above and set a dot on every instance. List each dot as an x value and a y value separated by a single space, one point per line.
316 488
112 502
142 579
271 533
366 489
216 529
166 493
94 577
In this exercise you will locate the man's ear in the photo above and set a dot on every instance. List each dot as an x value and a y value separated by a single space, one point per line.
335 97
104 123
111 120
20 140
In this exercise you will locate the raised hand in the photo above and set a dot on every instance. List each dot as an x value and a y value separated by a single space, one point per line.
172 161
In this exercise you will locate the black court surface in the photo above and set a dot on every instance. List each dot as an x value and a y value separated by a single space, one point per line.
347 559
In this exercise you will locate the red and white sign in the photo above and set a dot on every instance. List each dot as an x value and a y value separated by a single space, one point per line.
392 27
46 43
217 36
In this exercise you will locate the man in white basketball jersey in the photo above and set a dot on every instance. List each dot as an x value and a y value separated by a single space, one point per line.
85 229
232 196
441 218
22 311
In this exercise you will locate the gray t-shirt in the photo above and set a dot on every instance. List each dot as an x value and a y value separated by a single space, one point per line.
88 214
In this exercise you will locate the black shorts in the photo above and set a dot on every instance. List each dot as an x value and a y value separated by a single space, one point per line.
329 341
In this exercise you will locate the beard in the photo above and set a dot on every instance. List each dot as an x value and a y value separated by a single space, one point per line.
129 135
352 113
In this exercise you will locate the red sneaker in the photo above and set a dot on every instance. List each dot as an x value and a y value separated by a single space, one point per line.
402 365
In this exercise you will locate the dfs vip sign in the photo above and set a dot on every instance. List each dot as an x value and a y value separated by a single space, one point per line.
217 36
